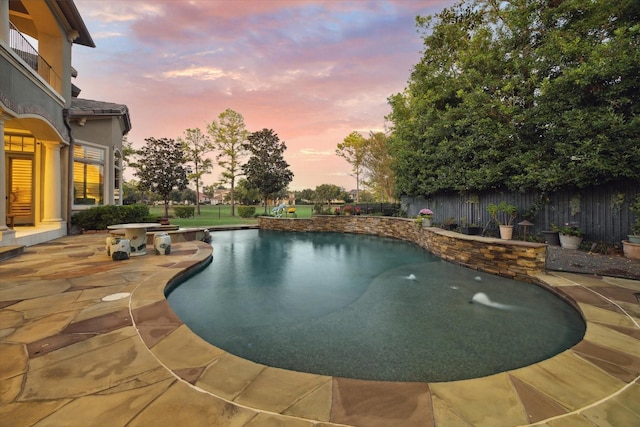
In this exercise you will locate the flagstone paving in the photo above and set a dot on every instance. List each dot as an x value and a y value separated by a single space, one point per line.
86 341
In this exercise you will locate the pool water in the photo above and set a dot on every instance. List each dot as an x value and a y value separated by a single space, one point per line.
367 307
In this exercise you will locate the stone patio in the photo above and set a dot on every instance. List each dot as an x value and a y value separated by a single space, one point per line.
86 341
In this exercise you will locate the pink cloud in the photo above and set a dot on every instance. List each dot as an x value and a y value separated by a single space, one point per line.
311 70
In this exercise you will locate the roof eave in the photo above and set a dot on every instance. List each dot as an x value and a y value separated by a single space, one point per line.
71 13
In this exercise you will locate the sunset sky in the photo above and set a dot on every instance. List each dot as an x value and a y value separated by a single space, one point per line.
313 71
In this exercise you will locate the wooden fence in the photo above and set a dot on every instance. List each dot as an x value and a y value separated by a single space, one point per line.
602 212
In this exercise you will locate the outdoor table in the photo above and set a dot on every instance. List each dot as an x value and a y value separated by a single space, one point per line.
137 235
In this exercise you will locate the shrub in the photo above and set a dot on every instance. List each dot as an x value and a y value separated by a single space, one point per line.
134 213
246 211
99 217
184 211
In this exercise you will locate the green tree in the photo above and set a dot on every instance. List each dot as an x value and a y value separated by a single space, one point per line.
209 190
378 167
180 196
131 192
526 94
266 168
128 152
229 137
354 150
245 194
367 197
306 195
325 193
161 168
196 145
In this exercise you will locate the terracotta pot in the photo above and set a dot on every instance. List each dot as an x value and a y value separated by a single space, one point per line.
506 232
631 250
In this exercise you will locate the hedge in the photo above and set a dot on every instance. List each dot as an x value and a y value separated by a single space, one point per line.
184 211
99 217
246 211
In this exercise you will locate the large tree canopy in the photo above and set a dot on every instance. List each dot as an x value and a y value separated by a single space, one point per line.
354 150
521 94
195 146
229 135
161 168
266 168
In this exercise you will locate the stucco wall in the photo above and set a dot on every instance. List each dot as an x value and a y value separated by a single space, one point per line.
510 258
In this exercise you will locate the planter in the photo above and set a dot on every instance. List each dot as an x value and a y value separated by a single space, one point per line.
426 222
633 238
570 242
450 227
506 232
551 238
631 250
473 231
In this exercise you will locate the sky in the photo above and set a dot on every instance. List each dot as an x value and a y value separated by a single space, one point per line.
313 71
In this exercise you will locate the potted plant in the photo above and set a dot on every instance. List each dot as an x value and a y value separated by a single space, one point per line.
450 224
635 227
552 237
471 229
631 247
348 210
503 214
571 236
426 215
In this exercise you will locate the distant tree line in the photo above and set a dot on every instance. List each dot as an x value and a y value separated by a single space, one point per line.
164 166
521 95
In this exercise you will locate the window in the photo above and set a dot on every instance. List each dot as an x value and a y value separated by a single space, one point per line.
88 175
19 143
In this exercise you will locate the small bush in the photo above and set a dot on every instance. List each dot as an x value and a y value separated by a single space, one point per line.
184 211
246 211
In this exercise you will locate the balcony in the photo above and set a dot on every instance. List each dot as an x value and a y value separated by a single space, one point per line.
21 46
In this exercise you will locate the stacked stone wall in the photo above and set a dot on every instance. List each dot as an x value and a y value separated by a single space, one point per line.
509 258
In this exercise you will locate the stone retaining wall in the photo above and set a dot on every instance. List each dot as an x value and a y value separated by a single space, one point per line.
510 258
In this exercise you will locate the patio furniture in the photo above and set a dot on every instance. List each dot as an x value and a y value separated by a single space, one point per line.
136 233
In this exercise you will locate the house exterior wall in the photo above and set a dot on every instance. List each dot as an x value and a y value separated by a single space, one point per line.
25 95
104 132
33 101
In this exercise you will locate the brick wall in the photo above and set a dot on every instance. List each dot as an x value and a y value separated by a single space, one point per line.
510 258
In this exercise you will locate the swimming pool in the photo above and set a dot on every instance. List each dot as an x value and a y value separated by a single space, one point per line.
367 307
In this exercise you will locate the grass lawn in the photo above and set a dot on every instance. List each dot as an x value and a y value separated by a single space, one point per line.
211 216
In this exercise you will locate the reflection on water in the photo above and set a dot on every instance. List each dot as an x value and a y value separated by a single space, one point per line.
367 307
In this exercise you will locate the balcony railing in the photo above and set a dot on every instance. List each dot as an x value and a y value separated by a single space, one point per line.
21 46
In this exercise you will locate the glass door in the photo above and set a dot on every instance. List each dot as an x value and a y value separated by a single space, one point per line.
20 186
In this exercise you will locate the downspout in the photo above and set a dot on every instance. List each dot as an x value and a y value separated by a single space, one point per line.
65 114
